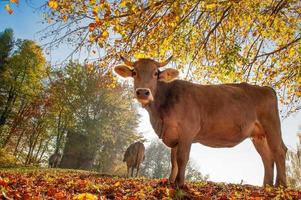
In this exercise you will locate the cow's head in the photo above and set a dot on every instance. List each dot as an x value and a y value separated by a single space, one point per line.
146 74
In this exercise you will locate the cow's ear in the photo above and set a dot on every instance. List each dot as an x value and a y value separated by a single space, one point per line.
168 74
123 71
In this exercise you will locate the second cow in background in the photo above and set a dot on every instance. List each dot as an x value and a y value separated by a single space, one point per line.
133 156
54 160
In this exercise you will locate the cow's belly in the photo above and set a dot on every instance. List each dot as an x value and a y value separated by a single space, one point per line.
225 136
219 142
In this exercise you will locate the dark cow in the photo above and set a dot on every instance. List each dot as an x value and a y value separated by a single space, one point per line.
183 113
133 156
54 160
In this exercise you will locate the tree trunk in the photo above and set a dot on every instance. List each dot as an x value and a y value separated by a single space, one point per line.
18 142
78 152
38 151
44 150
33 142
5 114
7 108
18 119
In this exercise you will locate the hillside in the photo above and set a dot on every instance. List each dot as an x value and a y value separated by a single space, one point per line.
75 184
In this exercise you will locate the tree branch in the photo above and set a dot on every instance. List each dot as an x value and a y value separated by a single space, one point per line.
224 15
280 49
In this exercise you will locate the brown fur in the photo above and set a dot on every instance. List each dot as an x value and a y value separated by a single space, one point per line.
133 156
54 160
183 113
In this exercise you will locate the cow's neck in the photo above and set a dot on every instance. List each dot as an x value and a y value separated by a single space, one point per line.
157 108
160 99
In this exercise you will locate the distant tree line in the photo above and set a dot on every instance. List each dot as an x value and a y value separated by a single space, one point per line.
78 110
157 163
294 163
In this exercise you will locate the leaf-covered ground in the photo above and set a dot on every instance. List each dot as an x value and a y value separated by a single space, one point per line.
71 184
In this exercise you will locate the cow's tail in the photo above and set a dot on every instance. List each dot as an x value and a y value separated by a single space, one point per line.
274 99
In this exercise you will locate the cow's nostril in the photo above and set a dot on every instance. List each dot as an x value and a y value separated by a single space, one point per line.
147 93
137 92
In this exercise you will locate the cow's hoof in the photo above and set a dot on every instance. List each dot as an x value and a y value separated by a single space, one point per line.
179 185
280 185
171 181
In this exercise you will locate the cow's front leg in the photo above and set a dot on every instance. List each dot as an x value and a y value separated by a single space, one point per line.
174 165
128 171
132 171
183 151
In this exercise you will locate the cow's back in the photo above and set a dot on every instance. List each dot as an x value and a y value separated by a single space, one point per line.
264 98
134 154
213 98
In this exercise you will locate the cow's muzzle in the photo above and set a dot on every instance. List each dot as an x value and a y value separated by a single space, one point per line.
144 96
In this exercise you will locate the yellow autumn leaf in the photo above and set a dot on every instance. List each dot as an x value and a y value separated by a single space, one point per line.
117 28
139 55
211 6
14 1
122 4
92 2
85 196
105 34
102 6
65 18
8 9
97 20
117 184
95 9
292 52
53 4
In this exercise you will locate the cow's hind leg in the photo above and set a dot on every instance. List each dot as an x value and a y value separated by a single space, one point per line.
183 151
132 171
128 171
278 149
174 165
264 151
138 166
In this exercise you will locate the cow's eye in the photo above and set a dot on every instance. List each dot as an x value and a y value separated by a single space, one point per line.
134 73
156 74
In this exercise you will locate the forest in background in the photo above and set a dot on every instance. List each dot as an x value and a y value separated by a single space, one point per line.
42 107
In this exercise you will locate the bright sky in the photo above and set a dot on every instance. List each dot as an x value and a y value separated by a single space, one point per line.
223 165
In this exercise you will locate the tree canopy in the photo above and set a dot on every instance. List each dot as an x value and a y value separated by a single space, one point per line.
212 41
6 45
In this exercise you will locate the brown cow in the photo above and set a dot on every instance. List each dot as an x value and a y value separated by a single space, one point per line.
183 113
133 156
